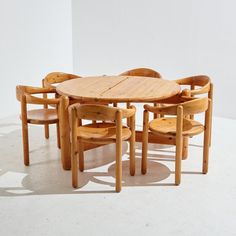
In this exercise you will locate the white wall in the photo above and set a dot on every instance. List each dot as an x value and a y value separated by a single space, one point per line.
35 39
177 38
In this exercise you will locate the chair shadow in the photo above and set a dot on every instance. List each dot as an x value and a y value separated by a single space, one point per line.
45 175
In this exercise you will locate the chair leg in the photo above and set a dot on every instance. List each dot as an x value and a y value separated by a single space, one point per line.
178 158
118 165
81 156
58 136
118 151
132 147
74 169
46 131
207 137
206 151
25 143
179 145
144 142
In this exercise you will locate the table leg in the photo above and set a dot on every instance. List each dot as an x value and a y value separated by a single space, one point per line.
164 140
64 132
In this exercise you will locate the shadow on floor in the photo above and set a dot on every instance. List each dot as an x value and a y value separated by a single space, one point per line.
45 175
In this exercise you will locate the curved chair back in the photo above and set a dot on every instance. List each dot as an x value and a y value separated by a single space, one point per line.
142 72
189 107
57 77
27 92
202 82
100 112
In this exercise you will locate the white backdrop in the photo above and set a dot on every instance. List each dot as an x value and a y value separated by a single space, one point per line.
35 38
177 38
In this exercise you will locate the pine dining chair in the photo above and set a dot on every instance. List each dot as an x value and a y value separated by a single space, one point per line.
26 95
178 127
110 130
145 72
197 85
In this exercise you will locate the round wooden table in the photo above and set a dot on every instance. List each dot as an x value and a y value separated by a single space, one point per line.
118 89
111 89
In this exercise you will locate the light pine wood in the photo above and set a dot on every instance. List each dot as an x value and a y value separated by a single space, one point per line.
25 135
199 84
167 126
146 72
155 138
101 133
142 72
145 141
118 151
179 144
194 106
118 89
27 95
74 148
65 135
207 138
210 96
46 126
179 127
132 143
54 78
97 87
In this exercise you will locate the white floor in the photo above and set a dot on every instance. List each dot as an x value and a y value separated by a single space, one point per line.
39 200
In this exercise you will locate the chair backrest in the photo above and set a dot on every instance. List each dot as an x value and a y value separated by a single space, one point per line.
57 77
26 93
191 107
100 112
142 72
202 82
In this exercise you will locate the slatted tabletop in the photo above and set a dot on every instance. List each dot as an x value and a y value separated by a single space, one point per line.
118 89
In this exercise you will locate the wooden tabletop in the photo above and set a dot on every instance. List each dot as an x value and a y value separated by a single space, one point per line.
118 89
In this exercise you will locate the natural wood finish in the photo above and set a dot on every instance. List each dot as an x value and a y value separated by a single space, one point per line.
100 86
207 138
65 135
132 144
194 106
46 126
42 116
145 142
54 78
167 126
145 72
179 144
118 151
210 96
179 127
100 133
142 72
118 89
155 138
26 95
199 84
201 81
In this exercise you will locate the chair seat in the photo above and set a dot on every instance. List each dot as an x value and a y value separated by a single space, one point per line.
102 132
167 126
42 116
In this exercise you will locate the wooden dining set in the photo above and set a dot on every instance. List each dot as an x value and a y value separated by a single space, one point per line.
87 112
